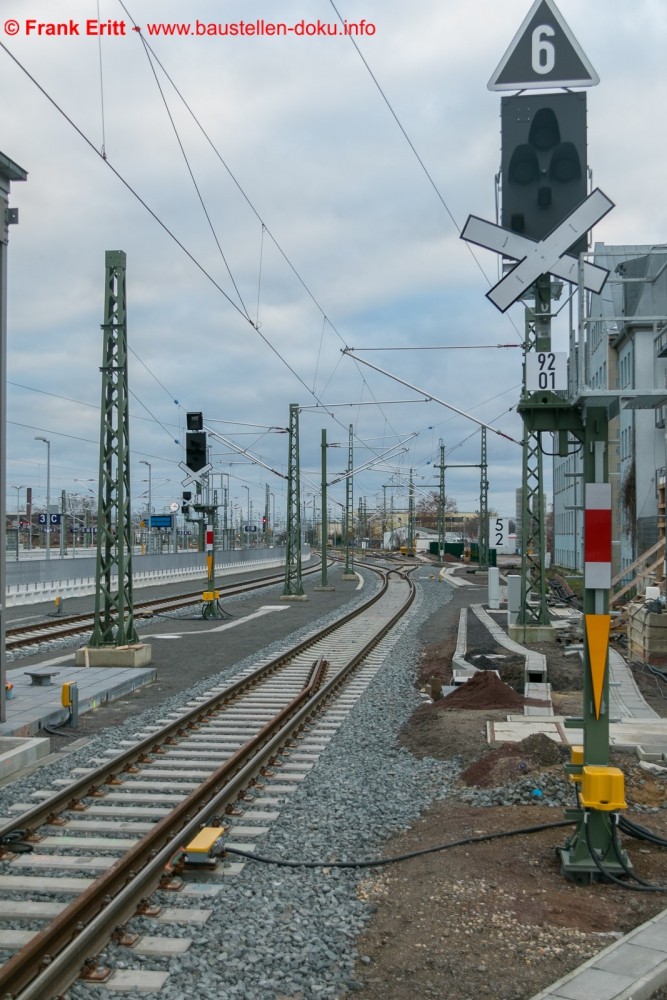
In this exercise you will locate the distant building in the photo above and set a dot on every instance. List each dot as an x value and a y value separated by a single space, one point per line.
626 349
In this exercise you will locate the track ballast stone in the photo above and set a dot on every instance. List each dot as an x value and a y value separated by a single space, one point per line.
275 931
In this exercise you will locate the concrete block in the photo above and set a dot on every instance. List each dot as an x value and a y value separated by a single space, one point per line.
161 946
81 863
594 984
631 959
532 633
182 915
136 981
18 752
112 656
14 909
15 940
294 597
42 883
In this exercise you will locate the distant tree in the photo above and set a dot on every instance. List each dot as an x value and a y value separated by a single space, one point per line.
426 511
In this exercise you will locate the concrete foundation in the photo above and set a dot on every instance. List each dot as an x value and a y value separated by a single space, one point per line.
349 576
293 597
532 633
324 588
17 753
114 656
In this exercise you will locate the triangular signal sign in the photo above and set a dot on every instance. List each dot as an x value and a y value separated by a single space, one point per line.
543 53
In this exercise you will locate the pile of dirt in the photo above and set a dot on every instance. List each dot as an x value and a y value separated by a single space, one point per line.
483 691
541 750
445 735
511 667
512 760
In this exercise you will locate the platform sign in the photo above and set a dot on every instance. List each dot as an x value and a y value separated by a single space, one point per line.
54 519
543 53
250 527
546 370
162 521
499 534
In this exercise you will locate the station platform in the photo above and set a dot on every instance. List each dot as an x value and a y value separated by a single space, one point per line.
35 705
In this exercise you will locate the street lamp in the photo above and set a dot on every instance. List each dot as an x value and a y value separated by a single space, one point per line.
48 494
247 534
18 510
150 499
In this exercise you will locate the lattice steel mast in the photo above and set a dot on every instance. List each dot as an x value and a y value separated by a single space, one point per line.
483 533
442 530
293 588
533 515
411 517
114 608
349 508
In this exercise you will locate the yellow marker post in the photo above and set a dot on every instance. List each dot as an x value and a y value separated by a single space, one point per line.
597 637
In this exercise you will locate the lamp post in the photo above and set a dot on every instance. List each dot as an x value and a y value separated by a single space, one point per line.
247 533
48 494
150 499
18 510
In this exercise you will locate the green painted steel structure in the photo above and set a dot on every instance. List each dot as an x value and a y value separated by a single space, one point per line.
483 533
411 517
293 587
349 505
325 528
533 514
114 607
442 529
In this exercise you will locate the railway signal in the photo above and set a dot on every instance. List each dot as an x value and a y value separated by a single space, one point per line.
546 217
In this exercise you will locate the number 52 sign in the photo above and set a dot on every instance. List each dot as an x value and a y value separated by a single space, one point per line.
546 370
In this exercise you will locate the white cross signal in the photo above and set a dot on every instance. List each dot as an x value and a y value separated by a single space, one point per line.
193 477
548 256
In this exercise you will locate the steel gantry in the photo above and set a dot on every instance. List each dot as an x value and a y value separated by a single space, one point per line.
293 590
533 514
114 609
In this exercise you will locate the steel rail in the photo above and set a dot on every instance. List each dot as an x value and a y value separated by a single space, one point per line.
56 956
71 796
43 631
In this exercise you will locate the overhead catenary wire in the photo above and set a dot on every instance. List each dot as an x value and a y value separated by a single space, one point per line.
436 399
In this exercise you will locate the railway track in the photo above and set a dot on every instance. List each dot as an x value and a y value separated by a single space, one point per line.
30 635
240 749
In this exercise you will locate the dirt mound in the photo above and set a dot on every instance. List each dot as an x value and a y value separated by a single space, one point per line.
512 760
485 690
541 750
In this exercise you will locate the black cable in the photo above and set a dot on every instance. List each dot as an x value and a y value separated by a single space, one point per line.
609 875
618 851
640 832
401 857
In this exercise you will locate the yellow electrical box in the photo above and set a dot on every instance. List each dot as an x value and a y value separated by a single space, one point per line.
577 758
210 595
66 697
205 840
602 788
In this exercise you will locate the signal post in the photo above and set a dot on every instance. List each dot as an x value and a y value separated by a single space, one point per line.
546 217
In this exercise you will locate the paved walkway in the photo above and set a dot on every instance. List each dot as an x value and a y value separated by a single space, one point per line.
33 706
631 968
626 699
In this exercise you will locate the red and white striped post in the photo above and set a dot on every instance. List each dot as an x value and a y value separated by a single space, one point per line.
597 536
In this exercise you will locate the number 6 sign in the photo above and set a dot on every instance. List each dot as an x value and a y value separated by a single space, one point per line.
546 370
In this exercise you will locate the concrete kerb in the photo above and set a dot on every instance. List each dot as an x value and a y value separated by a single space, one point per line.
631 968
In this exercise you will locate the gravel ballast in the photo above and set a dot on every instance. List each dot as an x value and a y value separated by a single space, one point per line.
276 931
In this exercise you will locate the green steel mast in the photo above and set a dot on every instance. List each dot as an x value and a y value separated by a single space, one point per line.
483 533
411 517
114 609
293 590
348 571
442 529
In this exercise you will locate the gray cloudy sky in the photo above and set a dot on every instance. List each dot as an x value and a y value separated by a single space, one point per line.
307 135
